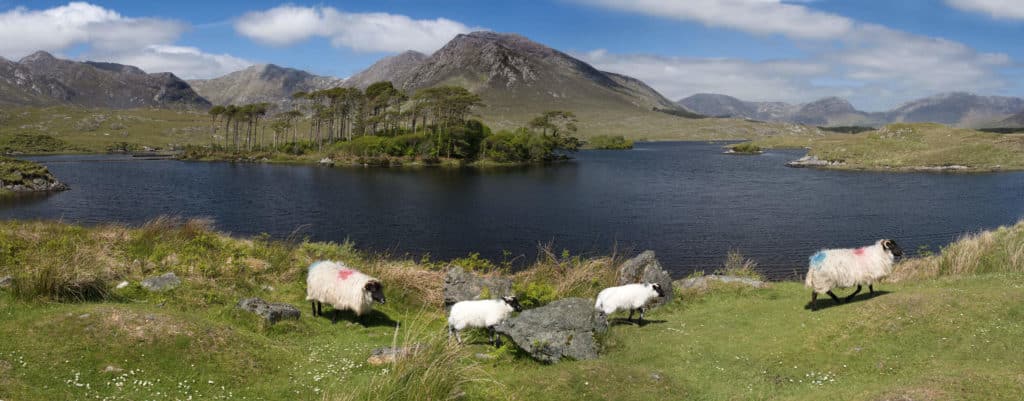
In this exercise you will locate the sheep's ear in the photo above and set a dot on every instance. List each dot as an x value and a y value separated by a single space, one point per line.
886 244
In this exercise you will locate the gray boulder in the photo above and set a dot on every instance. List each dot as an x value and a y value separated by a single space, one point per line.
700 283
380 356
164 282
645 268
6 281
566 328
272 313
460 285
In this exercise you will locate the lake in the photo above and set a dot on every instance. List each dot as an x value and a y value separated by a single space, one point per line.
685 200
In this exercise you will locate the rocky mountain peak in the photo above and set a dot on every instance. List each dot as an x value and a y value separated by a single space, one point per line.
37 57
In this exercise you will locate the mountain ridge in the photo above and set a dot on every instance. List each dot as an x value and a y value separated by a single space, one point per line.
261 83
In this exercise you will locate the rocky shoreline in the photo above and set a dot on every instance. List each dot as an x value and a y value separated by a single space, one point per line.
19 176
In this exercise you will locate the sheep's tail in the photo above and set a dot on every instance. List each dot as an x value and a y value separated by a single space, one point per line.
809 280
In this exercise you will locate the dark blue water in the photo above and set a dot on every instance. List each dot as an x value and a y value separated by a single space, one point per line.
686 201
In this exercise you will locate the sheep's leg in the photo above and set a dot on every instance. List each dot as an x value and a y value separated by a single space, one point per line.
871 289
319 308
630 318
312 305
857 291
814 299
834 297
458 337
493 335
641 321
450 331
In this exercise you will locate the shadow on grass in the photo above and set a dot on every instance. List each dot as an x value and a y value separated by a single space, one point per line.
827 302
621 321
375 318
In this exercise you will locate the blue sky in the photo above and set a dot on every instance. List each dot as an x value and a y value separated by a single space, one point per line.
877 54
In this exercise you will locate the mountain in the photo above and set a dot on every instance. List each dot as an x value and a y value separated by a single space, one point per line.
518 78
392 68
1016 120
958 109
261 83
41 79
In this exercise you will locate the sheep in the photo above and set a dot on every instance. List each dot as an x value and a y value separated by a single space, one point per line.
843 268
629 296
342 287
481 313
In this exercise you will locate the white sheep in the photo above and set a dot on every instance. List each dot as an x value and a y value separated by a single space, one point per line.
342 287
629 296
843 268
483 313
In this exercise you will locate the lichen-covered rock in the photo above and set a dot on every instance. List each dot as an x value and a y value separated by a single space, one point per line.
164 282
702 282
645 268
566 328
6 281
460 285
25 176
384 355
271 312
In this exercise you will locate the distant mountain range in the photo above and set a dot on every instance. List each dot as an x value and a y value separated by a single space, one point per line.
955 108
261 83
42 79
1016 120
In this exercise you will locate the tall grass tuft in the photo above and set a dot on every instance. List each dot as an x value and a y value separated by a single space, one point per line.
993 251
740 266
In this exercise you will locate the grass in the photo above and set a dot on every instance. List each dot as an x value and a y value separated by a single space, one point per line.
900 147
745 148
946 328
609 142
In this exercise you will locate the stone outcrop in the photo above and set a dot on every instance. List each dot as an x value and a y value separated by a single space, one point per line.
566 328
460 285
270 312
645 268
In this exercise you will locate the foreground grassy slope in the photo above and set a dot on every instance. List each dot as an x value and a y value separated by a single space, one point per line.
910 146
948 329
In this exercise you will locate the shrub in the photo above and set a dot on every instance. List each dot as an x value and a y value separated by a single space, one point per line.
609 142
746 147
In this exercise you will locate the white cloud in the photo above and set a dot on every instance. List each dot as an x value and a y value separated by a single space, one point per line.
186 62
1000 9
874 66
106 35
761 17
370 32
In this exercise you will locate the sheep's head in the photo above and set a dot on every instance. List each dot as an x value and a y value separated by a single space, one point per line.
376 291
657 288
513 302
890 245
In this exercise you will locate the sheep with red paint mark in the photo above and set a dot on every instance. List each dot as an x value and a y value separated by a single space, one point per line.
848 267
342 287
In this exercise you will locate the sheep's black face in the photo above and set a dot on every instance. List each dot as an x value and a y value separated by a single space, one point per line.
513 302
657 288
376 291
891 246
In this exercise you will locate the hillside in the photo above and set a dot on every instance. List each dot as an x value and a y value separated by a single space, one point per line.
911 147
518 78
942 328
261 83
1016 120
956 109
41 79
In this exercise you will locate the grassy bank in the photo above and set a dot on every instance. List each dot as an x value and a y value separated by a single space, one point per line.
906 147
947 328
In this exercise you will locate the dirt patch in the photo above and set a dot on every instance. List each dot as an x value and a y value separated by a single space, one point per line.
917 394
143 327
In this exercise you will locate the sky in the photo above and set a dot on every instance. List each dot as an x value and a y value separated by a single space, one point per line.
875 53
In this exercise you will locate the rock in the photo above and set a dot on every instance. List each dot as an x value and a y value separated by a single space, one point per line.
6 281
326 161
644 268
565 328
121 285
167 281
112 369
460 285
700 283
812 161
384 355
272 313
84 316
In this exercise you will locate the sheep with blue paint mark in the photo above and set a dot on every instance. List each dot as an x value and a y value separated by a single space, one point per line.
630 296
848 267
342 287
481 313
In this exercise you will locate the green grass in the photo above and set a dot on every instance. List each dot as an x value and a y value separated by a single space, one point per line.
610 142
911 146
947 328
746 148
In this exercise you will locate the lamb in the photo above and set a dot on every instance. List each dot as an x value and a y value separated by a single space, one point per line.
842 268
481 313
629 296
342 287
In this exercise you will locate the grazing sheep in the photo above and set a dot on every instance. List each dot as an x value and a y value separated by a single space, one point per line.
842 268
342 287
481 313
629 296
